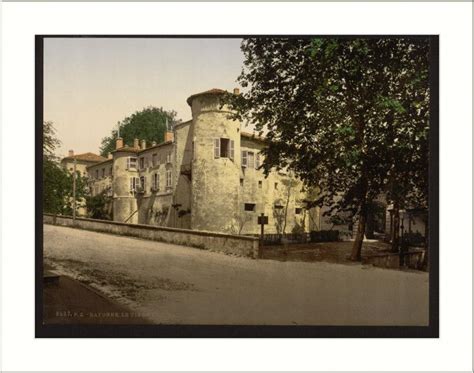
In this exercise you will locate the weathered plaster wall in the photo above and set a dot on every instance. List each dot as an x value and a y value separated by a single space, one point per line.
154 206
274 190
100 177
124 202
182 176
215 181
229 244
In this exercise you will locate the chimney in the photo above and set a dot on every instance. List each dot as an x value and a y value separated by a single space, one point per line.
118 143
109 156
169 136
71 153
136 144
143 144
236 91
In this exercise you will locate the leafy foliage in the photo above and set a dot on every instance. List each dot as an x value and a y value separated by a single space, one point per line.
98 206
57 182
349 116
148 124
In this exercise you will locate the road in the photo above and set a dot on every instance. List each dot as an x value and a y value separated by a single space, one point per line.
175 284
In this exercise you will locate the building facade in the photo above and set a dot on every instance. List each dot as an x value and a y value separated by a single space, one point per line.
204 176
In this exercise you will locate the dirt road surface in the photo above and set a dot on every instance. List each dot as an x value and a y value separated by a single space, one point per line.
173 284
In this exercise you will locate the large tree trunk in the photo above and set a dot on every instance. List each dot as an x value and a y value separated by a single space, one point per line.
357 246
396 228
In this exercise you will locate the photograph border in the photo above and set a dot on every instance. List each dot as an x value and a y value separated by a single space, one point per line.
242 331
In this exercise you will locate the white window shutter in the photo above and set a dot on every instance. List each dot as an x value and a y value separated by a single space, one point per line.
231 149
257 160
217 148
131 184
244 158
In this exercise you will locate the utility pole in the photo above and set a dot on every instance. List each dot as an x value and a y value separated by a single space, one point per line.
74 193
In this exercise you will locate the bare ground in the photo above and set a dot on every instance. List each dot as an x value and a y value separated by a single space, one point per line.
175 284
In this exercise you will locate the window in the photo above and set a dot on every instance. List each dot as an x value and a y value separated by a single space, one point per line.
251 160
276 185
96 174
244 158
103 172
154 160
168 179
143 183
168 158
110 171
249 206
156 182
224 148
298 210
241 182
142 163
260 183
134 184
131 163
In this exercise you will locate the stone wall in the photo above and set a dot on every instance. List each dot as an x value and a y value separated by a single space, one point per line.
228 244
412 259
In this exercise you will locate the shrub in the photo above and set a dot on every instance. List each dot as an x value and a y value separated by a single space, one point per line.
324 236
414 239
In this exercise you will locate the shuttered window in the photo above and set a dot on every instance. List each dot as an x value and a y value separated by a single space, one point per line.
244 158
156 181
251 160
217 148
131 163
231 149
134 184
142 182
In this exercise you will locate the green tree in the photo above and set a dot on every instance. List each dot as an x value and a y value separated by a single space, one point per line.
148 124
98 206
57 182
54 177
341 113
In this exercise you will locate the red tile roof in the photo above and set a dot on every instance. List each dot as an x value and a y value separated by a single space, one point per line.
213 91
85 157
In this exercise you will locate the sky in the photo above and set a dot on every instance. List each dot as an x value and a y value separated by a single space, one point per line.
92 83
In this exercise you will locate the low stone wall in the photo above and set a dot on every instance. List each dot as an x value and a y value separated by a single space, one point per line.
228 244
412 259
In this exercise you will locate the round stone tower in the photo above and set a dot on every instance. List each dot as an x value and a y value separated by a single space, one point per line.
216 164
124 202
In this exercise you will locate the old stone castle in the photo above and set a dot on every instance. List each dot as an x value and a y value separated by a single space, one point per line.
204 176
